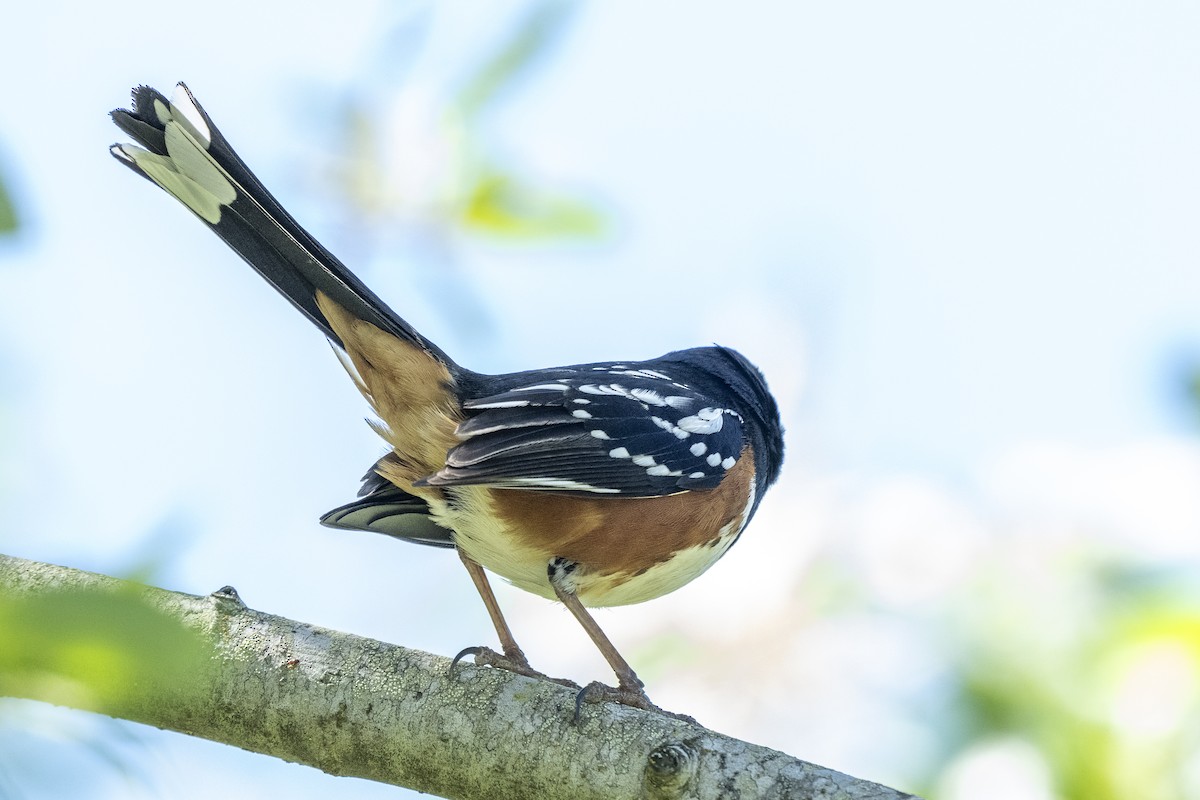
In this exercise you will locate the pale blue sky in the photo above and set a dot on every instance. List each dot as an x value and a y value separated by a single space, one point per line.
943 230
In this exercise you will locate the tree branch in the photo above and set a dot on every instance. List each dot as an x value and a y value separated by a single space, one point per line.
211 667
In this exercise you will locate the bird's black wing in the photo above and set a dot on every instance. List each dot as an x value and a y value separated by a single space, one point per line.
604 429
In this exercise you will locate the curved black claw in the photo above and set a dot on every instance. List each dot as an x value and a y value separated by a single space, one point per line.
487 657
625 694
466 651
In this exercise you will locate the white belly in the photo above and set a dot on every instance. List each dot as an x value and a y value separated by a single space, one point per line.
482 536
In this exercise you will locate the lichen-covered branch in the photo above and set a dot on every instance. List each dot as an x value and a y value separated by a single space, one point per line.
211 667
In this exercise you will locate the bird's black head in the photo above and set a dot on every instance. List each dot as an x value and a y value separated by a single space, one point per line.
744 384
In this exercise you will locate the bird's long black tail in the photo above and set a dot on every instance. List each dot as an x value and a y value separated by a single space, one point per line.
184 153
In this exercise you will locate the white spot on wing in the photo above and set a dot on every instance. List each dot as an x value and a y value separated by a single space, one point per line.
699 449
706 420
599 434
604 388
557 387
644 461
619 452
714 459
728 462
560 483
579 413
501 404
648 396
670 427
662 470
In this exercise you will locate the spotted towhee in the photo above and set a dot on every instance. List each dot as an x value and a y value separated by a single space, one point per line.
597 484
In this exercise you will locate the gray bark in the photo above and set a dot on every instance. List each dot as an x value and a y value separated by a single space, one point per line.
353 706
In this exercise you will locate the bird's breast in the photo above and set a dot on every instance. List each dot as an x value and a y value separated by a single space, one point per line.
629 550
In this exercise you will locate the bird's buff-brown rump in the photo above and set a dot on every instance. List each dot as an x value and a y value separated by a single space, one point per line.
619 542
411 392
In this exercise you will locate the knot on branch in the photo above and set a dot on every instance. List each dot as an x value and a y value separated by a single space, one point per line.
669 769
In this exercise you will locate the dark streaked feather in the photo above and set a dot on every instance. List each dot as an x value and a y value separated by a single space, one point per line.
498 419
521 443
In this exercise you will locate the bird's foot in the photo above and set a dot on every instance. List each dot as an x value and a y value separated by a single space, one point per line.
510 662
626 693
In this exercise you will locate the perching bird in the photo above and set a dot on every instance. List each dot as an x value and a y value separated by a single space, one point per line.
597 484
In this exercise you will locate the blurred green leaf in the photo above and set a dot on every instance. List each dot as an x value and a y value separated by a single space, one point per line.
1111 704
92 648
534 34
501 205
8 211
429 165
